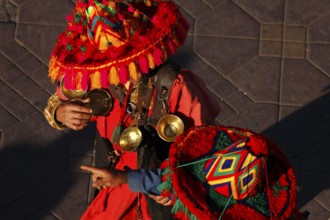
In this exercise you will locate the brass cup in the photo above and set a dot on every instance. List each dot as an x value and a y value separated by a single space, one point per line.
169 127
100 101
130 139
70 93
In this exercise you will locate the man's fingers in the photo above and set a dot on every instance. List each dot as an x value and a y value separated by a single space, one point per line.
86 100
165 201
168 203
79 108
89 168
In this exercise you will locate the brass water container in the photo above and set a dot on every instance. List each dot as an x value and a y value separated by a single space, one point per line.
169 127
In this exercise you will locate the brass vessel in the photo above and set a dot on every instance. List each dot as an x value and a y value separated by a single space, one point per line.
169 127
71 94
130 139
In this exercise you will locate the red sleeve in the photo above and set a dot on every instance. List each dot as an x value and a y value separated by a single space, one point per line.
191 100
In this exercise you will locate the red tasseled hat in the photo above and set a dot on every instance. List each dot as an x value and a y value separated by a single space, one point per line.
217 172
113 41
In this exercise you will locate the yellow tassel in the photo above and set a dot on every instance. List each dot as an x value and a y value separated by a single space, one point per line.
52 70
136 14
53 73
133 73
148 3
96 80
113 76
112 5
163 49
78 81
83 38
126 28
151 61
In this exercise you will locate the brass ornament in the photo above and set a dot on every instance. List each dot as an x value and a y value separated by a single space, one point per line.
100 101
169 127
70 93
130 139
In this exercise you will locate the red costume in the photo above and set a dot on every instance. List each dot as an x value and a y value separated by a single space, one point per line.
188 97
120 43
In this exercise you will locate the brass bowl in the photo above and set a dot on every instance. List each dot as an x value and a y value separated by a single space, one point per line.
70 93
100 101
169 127
130 139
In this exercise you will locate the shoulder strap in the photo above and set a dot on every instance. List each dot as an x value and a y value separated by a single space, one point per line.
163 82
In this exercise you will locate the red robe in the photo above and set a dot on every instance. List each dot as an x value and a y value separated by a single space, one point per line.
189 97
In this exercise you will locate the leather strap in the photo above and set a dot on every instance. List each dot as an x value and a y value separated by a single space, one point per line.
163 81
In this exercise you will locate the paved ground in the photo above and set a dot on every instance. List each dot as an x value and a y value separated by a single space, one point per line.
267 62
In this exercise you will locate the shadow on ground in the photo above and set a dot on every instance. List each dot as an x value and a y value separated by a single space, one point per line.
43 180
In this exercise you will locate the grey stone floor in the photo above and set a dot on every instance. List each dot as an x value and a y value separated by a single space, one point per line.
266 61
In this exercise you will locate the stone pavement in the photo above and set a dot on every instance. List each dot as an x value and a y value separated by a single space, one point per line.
266 61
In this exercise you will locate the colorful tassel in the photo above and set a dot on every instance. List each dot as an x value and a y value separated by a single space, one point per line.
123 74
151 61
175 41
96 80
69 81
164 51
144 64
78 81
170 48
85 81
180 33
53 71
133 73
136 14
131 9
158 56
148 3
104 78
113 76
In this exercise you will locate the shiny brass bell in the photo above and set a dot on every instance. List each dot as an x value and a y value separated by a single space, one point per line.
130 139
169 127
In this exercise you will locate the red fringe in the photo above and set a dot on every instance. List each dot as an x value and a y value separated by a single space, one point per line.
123 74
158 56
69 82
144 64
170 48
104 78
85 80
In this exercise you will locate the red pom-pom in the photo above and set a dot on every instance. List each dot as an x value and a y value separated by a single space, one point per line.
131 9
258 145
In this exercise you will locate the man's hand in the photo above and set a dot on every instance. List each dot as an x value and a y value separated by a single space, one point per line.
74 115
165 201
106 177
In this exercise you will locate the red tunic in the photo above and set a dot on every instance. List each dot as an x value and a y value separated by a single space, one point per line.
190 98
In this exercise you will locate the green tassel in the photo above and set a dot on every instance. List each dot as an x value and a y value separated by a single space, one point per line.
178 206
166 171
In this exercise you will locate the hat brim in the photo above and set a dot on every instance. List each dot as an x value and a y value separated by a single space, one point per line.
274 198
159 37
